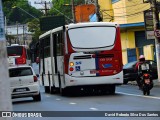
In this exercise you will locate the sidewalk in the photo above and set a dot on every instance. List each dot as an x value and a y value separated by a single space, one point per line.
156 83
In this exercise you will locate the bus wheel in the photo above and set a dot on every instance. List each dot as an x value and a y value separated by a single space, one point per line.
53 90
112 89
46 89
63 91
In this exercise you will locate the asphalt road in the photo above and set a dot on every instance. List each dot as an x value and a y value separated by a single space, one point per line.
127 98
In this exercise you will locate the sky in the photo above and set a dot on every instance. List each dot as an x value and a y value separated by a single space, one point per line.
38 6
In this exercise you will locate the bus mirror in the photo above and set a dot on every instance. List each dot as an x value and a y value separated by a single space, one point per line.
37 60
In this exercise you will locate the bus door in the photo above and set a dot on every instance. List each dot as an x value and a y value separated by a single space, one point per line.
58 57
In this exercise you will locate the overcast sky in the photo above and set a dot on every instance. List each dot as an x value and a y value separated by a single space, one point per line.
38 6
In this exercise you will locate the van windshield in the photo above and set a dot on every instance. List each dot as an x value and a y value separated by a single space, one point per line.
92 37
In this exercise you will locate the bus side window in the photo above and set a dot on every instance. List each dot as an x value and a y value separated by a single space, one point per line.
47 47
59 43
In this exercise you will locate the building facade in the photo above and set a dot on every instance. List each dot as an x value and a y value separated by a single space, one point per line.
20 34
130 15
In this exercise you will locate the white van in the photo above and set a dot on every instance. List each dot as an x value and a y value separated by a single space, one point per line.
24 82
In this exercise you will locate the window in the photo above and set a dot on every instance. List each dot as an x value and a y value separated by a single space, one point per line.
47 52
16 72
59 43
14 50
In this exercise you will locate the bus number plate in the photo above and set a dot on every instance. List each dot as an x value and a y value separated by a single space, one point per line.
94 71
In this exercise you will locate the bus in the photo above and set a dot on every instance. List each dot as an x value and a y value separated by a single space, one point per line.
18 55
81 56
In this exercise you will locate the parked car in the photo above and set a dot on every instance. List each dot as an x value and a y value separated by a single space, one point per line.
130 74
24 82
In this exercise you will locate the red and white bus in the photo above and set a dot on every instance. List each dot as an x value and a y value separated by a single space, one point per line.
81 56
18 55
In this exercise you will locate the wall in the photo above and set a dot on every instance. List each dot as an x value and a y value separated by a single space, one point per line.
124 12
129 11
106 10
134 10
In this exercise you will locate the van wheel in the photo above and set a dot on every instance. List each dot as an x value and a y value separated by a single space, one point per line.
37 97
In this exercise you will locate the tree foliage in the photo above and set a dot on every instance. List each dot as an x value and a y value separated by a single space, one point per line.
14 14
63 7
20 11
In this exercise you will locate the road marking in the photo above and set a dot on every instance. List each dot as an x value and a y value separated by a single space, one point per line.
48 96
93 108
58 99
72 103
138 95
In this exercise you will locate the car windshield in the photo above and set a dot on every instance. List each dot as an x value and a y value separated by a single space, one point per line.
24 71
129 65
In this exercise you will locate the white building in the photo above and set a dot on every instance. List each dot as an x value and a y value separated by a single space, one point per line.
20 33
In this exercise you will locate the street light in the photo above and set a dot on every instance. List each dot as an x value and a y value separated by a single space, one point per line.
26 12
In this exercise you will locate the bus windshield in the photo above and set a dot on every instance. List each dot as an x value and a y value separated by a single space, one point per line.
92 37
14 50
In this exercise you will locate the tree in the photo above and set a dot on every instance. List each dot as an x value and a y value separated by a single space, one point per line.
13 12
64 6
34 26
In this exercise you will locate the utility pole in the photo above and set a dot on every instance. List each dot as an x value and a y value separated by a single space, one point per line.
45 6
17 32
23 35
157 40
97 10
73 11
5 94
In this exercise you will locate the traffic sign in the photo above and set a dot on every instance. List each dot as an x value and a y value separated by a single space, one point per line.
157 33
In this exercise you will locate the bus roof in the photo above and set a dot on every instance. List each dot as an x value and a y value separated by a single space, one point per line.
72 25
92 24
50 31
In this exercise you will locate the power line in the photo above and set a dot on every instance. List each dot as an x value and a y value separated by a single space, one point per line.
45 6
125 7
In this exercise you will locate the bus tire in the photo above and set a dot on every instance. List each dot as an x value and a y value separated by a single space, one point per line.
53 90
47 89
63 92
112 89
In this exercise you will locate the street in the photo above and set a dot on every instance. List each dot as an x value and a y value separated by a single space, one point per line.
127 98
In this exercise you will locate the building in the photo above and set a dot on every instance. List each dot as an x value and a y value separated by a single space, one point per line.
82 12
20 34
130 15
